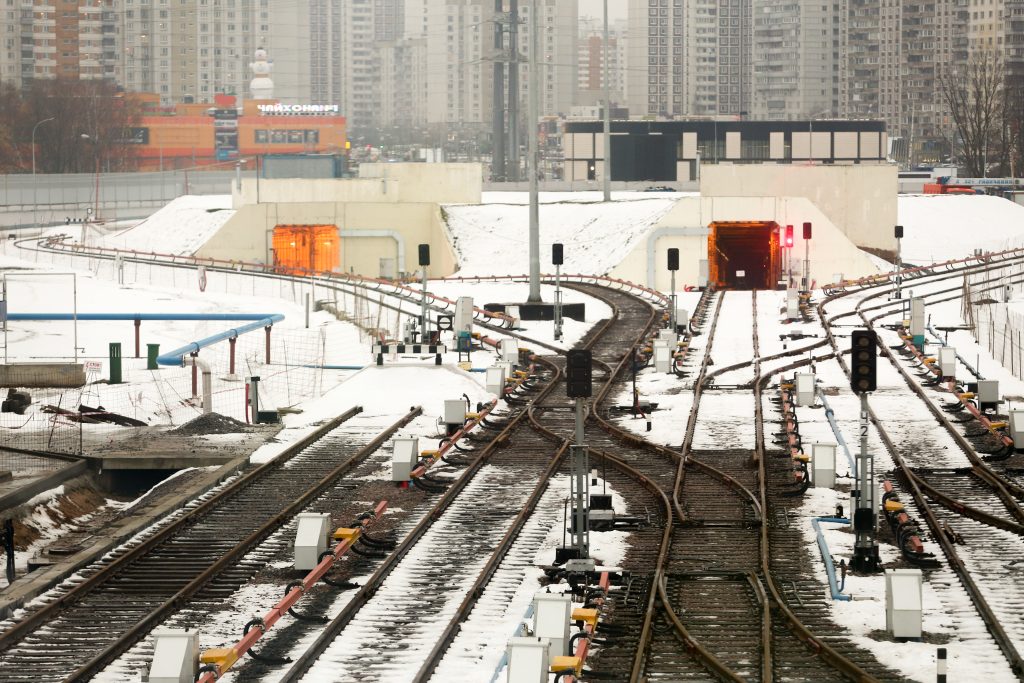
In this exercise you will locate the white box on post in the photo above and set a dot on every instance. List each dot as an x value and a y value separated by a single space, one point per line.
405 454
947 361
988 392
682 319
662 356
805 389
175 656
528 660
917 317
311 531
463 314
510 350
496 381
823 463
454 415
551 615
903 602
1017 427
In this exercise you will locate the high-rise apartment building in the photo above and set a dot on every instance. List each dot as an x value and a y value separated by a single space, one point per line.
189 50
45 39
592 70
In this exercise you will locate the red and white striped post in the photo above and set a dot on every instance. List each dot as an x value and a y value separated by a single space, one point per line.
940 666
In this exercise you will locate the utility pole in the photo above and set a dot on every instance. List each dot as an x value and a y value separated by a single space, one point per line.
899 263
512 160
606 176
533 114
498 131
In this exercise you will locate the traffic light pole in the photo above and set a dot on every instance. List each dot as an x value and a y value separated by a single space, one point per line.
865 549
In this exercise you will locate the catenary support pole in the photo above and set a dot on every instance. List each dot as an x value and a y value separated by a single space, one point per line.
533 114
606 175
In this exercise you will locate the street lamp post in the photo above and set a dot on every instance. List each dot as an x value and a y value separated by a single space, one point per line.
34 189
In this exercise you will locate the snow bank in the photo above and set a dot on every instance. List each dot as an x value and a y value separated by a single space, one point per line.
941 227
493 239
181 227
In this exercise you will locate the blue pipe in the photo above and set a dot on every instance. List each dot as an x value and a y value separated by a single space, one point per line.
826 556
144 316
830 414
175 357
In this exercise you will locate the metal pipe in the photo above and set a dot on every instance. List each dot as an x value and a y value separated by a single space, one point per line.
606 176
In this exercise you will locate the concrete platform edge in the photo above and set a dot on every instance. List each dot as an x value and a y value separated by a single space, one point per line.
29 491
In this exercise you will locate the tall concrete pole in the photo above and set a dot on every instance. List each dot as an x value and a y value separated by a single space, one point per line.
513 159
533 115
607 175
498 132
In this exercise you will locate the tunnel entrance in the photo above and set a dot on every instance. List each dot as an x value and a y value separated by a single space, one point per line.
744 255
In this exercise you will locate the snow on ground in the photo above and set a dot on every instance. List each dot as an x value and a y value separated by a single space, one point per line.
941 227
493 239
181 227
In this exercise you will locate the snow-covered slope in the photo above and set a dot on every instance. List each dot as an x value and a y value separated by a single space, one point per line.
941 227
181 227
493 239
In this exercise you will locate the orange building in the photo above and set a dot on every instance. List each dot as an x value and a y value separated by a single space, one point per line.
193 135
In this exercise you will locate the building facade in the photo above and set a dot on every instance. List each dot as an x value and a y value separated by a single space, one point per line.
592 71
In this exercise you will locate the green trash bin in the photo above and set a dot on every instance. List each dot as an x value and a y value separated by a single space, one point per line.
152 351
115 363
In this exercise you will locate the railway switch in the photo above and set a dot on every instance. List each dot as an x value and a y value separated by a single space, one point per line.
805 389
823 460
903 602
552 614
175 656
404 456
528 660
311 532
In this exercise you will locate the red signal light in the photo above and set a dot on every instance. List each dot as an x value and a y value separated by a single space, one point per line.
787 241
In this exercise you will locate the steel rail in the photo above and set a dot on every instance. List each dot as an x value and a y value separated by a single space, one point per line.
31 621
986 613
181 598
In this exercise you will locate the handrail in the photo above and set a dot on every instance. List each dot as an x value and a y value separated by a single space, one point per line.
175 357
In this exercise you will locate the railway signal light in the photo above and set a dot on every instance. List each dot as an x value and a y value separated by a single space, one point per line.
863 360
556 254
578 373
807 231
787 241
899 232
673 259
424 254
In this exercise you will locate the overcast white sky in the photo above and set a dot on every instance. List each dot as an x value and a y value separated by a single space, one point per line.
595 8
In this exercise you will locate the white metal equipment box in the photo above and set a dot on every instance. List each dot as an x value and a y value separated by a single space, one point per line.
662 356
1017 428
682 318
175 656
903 602
947 361
551 615
823 463
528 660
988 391
792 304
510 350
666 334
917 316
404 456
464 314
496 381
455 412
805 389
311 530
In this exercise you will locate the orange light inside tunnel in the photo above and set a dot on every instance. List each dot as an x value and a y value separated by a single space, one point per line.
301 248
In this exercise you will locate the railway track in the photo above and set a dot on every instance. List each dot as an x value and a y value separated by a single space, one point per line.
970 503
76 632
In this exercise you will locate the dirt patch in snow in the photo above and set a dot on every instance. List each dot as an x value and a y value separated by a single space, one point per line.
211 423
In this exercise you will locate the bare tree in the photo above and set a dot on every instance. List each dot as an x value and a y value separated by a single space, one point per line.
974 94
90 121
